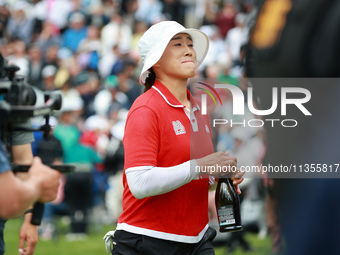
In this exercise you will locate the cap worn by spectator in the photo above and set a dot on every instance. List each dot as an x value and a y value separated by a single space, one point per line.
117 68
111 82
96 122
77 17
64 53
124 48
72 104
48 71
118 130
21 6
81 78
115 107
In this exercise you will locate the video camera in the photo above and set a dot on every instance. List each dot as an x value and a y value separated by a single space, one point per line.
18 100
17 105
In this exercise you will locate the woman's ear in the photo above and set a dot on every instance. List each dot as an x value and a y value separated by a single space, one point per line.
155 66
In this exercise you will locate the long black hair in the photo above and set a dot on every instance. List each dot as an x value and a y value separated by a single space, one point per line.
150 80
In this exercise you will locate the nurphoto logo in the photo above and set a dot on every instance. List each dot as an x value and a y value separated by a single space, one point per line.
204 97
238 104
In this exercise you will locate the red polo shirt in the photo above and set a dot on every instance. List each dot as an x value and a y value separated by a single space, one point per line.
158 133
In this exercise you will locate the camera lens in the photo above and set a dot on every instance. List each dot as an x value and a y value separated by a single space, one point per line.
28 95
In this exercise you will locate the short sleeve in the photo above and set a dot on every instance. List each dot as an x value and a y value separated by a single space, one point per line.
22 137
4 164
141 138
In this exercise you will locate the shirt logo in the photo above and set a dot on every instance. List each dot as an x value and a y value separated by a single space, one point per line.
178 127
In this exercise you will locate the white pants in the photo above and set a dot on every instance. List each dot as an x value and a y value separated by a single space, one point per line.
114 195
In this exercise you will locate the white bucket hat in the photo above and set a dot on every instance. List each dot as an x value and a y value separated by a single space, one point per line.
154 41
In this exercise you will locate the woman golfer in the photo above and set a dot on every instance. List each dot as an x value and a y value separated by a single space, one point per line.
165 200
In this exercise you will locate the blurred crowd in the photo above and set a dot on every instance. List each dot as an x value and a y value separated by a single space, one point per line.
88 51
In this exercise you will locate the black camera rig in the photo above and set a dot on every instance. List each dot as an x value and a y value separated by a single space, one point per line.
17 105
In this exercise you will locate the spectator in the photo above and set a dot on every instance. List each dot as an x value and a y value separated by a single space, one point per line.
20 58
95 133
96 16
236 37
47 37
38 15
115 33
79 6
114 162
237 69
66 131
48 75
70 94
19 25
110 7
69 67
35 66
150 11
51 57
122 57
57 13
225 19
210 11
4 15
87 85
139 29
52 153
90 49
128 9
174 10
216 47
75 33
107 61
109 94
126 84
78 188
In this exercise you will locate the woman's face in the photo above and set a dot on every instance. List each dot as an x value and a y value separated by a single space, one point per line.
179 58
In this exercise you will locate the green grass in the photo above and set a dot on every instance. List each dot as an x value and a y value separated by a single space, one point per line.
259 246
94 245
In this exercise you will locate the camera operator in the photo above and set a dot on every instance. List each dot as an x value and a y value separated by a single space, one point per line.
22 190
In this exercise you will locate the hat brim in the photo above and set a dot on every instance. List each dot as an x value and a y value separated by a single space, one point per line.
201 46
